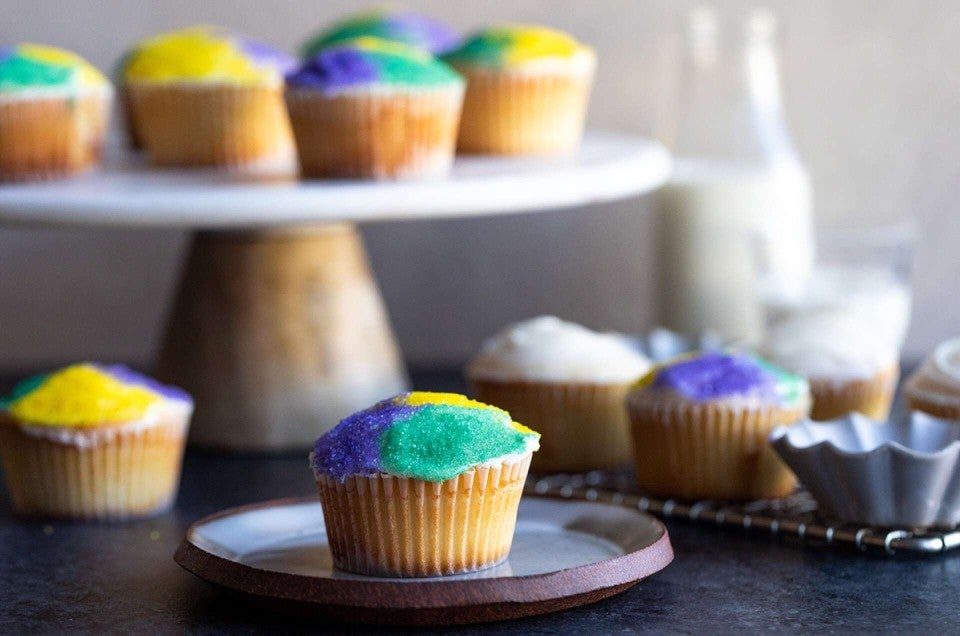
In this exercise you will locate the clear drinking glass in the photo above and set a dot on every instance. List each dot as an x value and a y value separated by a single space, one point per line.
863 272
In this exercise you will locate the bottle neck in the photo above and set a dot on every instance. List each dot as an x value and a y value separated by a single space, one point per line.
729 107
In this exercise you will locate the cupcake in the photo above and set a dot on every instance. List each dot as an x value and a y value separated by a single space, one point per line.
527 91
403 26
700 426
422 484
54 108
203 96
850 366
369 108
934 387
93 442
566 381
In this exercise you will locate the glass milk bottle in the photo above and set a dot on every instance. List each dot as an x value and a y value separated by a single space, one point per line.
740 200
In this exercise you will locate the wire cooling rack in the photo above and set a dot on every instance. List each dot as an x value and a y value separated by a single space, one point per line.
795 516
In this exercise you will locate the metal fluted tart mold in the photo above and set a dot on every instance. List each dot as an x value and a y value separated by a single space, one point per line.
897 473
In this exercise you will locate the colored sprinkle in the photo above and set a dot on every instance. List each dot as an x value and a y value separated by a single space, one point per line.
423 435
37 66
514 45
407 27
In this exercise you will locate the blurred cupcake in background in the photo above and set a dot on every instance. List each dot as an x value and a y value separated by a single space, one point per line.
850 365
566 381
54 108
700 426
395 25
93 441
204 96
369 108
934 387
527 90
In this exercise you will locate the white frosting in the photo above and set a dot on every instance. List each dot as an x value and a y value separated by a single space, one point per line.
830 344
942 367
84 438
547 348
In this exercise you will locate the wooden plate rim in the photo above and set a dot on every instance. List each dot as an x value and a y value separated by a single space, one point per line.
618 572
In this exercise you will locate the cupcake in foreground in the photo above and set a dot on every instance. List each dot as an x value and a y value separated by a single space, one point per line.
527 90
403 26
566 381
700 426
93 441
934 388
204 96
849 366
422 484
369 108
54 108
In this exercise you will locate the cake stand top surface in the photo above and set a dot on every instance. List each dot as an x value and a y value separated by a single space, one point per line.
129 193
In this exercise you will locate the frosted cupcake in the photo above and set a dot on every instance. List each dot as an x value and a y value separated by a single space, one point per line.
403 26
934 387
566 381
700 427
527 90
849 366
369 108
54 108
204 96
422 484
93 442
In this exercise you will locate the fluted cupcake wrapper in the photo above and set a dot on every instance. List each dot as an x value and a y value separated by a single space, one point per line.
104 474
937 404
396 526
583 426
516 113
51 137
378 135
870 396
709 451
217 125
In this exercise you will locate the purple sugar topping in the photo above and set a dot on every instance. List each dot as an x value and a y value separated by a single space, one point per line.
6 51
718 375
335 68
436 36
353 446
127 375
265 55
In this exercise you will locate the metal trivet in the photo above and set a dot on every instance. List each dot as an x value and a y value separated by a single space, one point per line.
795 516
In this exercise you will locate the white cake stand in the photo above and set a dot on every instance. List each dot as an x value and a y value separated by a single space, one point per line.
278 328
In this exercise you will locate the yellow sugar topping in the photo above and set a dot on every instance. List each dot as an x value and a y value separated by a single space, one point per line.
82 395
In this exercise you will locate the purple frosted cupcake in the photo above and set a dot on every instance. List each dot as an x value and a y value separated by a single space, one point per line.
700 426
204 96
373 109
406 27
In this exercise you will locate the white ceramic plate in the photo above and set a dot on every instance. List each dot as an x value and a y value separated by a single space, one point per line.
564 554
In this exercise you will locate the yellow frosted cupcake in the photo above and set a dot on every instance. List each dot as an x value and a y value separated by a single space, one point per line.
700 426
934 387
422 484
54 108
373 109
566 381
527 90
93 442
203 96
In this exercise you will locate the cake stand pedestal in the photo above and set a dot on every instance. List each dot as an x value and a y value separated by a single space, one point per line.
278 328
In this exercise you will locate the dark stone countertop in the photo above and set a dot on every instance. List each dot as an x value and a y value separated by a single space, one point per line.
121 578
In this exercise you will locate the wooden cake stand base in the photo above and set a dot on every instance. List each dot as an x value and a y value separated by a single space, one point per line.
278 334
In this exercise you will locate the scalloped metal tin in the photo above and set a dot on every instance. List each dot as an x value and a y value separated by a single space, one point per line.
889 474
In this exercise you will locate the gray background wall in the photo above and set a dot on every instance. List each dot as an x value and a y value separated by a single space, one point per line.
872 91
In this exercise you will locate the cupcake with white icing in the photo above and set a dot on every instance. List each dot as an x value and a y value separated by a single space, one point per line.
566 381
934 388
851 366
